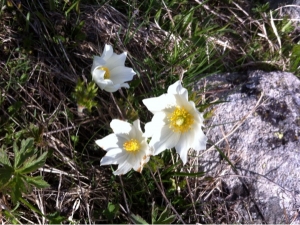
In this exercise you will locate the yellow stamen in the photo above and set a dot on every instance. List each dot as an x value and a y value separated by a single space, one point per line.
132 145
106 70
181 120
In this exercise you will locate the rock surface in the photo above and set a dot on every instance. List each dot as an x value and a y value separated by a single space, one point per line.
287 7
258 129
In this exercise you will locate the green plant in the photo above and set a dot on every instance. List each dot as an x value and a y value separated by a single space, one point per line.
84 94
15 177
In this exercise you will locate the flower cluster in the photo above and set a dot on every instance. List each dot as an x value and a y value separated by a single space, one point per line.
176 122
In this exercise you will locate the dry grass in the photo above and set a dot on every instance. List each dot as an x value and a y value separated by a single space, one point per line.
53 55
72 171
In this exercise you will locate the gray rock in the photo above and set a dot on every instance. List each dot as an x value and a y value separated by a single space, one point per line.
287 7
274 4
258 129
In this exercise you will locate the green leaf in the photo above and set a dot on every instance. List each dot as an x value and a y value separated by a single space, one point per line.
164 218
224 156
168 171
157 15
26 151
288 26
5 175
38 182
18 187
154 213
163 215
55 218
182 174
295 58
34 164
4 158
31 207
111 211
168 220
137 219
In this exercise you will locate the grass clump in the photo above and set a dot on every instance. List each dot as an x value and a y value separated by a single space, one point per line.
47 50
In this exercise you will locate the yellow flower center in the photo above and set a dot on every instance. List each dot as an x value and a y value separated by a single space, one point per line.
106 70
132 145
181 120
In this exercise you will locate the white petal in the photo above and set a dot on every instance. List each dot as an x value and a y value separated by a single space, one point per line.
116 60
164 139
184 144
149 129
97 61
123 168
115 87
200 139
182 101
112 88
98 75
177 88
107 160
107 142
136 125
136 131
141 162
156 124
115 159
160 103
121 74
102 85
107 52
114 151
120 126
133 159
125 85
199 118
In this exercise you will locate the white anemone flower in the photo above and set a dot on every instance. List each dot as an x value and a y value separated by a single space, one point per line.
109 72
176 122
126 146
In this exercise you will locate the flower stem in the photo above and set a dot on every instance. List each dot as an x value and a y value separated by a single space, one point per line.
160 187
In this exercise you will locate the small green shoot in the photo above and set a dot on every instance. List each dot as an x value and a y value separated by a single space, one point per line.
84 94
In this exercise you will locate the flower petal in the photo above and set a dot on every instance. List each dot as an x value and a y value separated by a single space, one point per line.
156 123
114 151
115 87
123 168
200 139
164 139
149 129
116 60
183 145
177 89
120 126
141 162
110 141
114 159
98 75
97 61
160 103
107 52
112 88
121 74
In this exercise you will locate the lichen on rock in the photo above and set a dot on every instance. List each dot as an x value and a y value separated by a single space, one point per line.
264 148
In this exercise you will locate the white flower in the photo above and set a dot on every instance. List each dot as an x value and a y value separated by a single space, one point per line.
109 72
176 122
126 147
